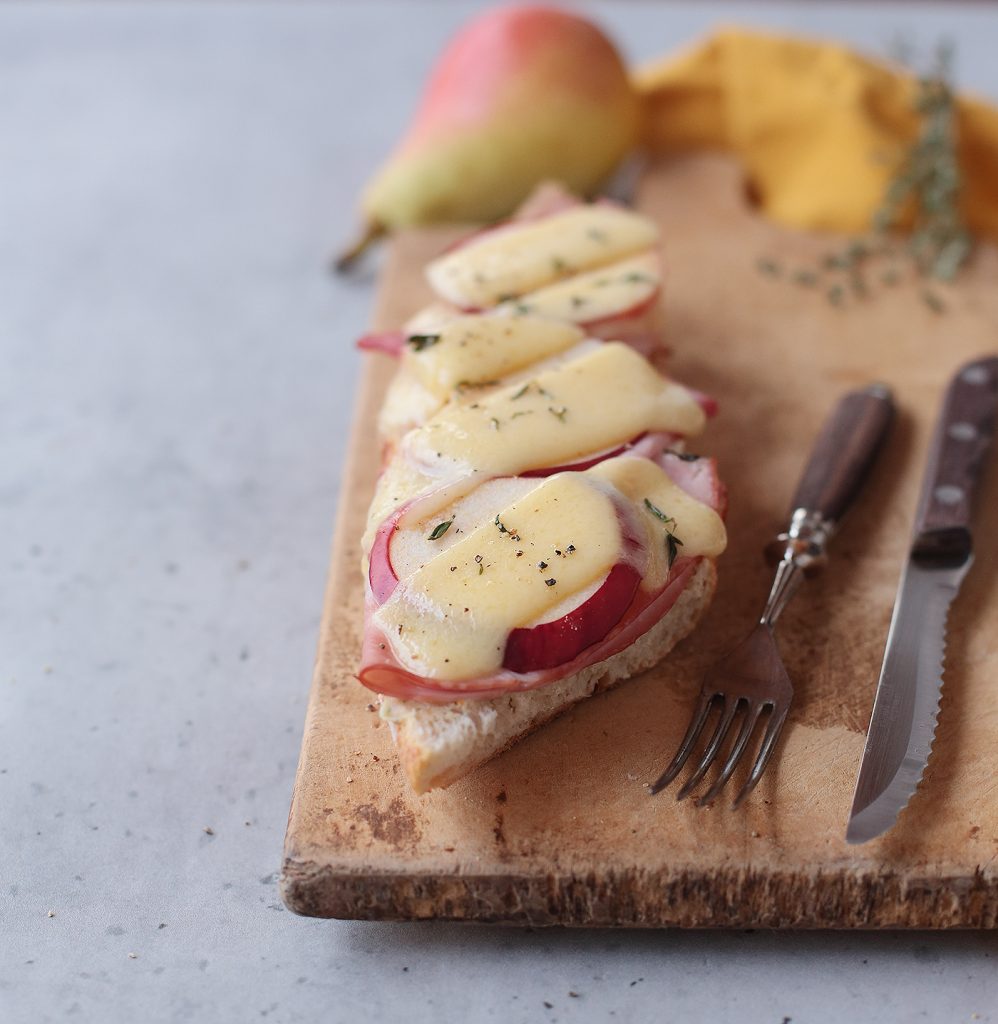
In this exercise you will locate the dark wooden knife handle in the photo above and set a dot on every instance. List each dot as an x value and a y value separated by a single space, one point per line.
844 452
959 448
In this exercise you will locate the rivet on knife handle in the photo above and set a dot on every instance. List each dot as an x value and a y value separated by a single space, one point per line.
961 442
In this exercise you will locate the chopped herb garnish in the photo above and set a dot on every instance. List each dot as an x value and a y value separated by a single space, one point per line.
551 582
506 297
578 300
494 422
636 278
672 542
522 308
560 412
766 266
544 392
672 545
658 513
501 525
522 412
481 568
440 529
597 235
559 265
421 341
521 392
467 385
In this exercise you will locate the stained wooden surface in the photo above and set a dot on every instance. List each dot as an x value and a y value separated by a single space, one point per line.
560 829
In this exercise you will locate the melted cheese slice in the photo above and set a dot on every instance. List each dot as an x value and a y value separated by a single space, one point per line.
696 528
602 399
450 619
596 295
477 350
522 257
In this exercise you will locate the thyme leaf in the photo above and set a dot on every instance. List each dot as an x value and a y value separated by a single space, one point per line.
421 341
440 529
672 546
658 513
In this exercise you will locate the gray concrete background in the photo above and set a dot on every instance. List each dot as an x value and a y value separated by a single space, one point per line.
176 379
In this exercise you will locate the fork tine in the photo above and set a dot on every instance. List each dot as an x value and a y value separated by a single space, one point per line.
729 707
773 730
689 742
752 713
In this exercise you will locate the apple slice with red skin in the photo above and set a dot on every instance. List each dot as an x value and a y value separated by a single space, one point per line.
380 574
548 644
554 643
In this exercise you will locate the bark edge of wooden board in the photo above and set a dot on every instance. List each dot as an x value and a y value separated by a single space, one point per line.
726 899
560 830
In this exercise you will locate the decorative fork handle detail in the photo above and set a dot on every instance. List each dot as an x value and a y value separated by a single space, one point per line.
839 464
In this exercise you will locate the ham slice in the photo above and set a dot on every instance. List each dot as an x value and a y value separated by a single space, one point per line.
391 343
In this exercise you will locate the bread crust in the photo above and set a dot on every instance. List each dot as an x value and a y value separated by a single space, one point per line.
440 743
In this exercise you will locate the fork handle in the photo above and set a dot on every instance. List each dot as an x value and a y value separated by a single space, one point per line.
836 471
844 453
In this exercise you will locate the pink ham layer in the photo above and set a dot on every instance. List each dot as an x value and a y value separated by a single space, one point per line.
381 671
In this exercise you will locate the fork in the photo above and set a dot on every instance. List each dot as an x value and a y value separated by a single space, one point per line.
752 678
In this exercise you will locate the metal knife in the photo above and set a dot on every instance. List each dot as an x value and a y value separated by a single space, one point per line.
903 724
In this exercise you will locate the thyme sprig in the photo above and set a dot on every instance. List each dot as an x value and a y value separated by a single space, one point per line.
672 542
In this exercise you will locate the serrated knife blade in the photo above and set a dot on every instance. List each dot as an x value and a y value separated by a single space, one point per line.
903 723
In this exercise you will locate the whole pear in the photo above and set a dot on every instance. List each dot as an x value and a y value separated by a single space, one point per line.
521 94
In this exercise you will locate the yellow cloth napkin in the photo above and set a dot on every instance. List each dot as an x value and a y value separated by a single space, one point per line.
819 128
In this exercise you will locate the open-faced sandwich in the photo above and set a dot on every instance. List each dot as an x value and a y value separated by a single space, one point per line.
539 533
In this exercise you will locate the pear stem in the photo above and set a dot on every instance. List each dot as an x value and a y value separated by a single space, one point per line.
371 233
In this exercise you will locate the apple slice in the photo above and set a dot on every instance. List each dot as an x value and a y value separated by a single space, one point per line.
416 532
560 640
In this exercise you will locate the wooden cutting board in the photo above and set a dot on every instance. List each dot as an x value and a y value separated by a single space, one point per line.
560 829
